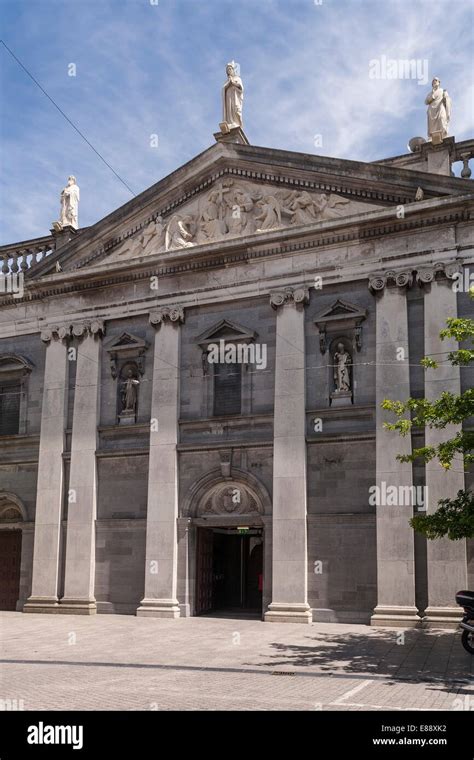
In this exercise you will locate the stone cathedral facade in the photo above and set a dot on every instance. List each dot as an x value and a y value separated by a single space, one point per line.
191 388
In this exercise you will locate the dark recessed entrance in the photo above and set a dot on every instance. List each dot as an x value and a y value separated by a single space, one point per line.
229 571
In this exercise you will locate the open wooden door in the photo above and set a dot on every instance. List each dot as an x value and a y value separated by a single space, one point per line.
204 575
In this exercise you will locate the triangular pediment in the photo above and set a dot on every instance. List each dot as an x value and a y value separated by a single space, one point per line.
340 310
227 331
126 342
231 192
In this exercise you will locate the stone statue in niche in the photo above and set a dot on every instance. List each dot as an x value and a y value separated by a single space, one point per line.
439 112
342 362
341 373
232 99
129 397
69 204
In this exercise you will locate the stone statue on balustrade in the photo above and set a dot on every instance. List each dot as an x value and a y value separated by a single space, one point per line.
69 204
439 112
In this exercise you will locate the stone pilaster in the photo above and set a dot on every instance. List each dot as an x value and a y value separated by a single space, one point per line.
162 512
289 560
82 496
447 562
395 538
49 498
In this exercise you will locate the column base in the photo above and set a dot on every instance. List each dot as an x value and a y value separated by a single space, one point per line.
442 617
77 606
288 613
46 604
395 617
159 608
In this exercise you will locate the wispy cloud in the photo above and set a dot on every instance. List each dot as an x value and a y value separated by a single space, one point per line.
147 69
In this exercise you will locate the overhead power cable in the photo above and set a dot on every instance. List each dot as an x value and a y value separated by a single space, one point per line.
66 117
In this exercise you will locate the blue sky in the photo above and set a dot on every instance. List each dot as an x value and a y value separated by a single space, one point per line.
144 69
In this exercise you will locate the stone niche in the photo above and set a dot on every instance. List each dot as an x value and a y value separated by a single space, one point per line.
340 336
127 366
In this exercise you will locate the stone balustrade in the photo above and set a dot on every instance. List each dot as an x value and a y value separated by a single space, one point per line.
23 257
464 151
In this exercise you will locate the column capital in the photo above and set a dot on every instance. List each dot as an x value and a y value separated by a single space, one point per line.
438 270
172 313
93 327
56 332
299 296
400 278
73 330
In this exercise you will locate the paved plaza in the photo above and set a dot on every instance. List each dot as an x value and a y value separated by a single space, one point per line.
112 662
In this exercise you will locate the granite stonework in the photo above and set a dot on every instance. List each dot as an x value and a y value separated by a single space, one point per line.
249 245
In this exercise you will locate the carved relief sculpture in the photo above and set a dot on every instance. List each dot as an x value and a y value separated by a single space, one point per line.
232 208
178 234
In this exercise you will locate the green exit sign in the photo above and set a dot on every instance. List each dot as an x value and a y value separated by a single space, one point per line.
243 530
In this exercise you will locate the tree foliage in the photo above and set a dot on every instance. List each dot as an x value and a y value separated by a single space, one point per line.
454 517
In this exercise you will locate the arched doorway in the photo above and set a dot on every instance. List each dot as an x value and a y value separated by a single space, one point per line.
11 519
229 546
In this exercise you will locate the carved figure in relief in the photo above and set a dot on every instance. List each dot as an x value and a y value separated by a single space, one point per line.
238 217
270 216
302 208
178 233
211 223
326 206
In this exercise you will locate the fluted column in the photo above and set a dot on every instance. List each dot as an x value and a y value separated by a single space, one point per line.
82 503
289 563
160 599
395 538
49 495
447 562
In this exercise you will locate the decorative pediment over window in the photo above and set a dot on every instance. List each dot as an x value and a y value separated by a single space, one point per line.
228 331
126 346
340 317
12 365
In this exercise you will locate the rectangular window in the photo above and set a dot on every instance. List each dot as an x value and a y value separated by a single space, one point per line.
227 389
9 409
